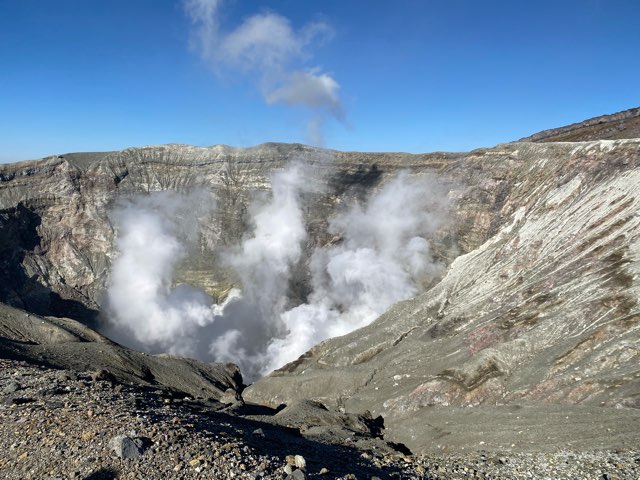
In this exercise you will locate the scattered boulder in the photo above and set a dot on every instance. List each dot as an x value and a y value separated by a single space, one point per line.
296 464
231 397
296 475
300 462
11 387
126 447
102 376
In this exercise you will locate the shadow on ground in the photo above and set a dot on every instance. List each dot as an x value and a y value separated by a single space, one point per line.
103 474
277 441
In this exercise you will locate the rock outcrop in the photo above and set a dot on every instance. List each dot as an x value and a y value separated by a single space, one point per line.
625 124
67 344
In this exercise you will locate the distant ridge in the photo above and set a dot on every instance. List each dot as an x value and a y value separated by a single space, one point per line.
625 124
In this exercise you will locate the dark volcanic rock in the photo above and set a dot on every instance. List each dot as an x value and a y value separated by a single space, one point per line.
625 124
65 343
330 425
304 414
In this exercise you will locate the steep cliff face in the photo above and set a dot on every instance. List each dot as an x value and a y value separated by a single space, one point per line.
55 212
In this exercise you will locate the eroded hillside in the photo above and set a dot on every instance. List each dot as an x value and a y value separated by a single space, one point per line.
544 311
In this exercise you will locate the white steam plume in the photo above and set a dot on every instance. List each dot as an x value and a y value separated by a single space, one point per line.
267 45
264 262
382 257
154 233
379 256
265 258
310 89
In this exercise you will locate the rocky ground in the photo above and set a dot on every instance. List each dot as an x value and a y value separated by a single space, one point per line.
62 424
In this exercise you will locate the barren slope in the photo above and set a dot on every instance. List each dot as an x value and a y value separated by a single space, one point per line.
625 124
545 311
66 344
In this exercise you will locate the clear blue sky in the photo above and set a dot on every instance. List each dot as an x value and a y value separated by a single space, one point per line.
417 76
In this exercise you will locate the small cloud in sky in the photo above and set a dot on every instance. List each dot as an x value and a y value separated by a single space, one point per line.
312 89
268 46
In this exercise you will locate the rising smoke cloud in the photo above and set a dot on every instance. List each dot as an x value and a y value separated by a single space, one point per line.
267 45
155 233
379 256
264 263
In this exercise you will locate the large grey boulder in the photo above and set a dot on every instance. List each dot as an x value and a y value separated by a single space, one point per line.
125 447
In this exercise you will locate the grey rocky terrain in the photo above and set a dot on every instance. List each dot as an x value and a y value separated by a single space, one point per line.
543 311
67 344
68 424
625 124
519 359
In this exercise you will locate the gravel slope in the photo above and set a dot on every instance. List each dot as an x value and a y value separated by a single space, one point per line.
58 424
